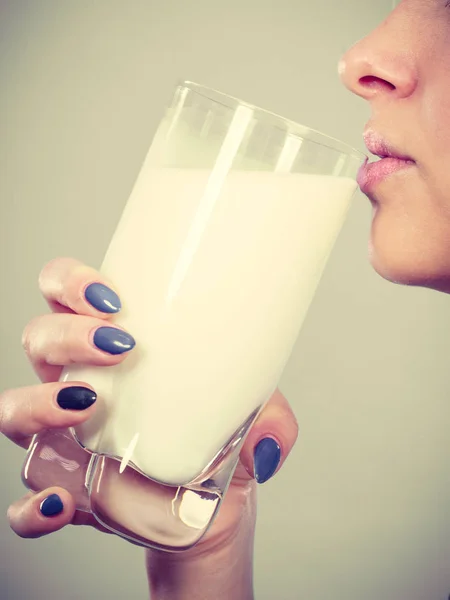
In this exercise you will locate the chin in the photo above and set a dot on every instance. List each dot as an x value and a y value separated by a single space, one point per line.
394 269
403 256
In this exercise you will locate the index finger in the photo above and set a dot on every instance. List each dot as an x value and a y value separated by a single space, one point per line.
68 285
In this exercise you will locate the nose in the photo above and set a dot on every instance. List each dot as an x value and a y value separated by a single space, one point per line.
378 67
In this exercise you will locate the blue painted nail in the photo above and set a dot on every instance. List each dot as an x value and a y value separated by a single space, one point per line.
51 506
102 298
113 340
266 459
76 397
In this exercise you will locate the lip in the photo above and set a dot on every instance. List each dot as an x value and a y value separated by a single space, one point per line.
391 160
371 174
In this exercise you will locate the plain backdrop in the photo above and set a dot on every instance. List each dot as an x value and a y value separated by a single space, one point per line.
360 510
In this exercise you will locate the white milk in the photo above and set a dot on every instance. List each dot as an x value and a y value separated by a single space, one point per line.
214 290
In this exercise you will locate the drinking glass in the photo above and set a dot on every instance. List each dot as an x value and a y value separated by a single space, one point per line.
216 257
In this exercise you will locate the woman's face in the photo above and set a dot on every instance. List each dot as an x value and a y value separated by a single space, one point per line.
403 70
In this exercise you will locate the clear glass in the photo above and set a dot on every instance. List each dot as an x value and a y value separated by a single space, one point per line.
216 257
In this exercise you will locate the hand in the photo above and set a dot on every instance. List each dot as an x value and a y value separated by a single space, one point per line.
220 566
78 331
71 335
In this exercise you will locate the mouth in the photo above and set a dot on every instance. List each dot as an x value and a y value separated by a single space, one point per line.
390 160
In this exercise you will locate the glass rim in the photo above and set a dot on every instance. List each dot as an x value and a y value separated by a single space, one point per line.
291 127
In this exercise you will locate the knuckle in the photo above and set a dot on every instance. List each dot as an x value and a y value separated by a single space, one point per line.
11 515
45 338
71 339
29 335
6 400
56 275
45 273
60 340
55 344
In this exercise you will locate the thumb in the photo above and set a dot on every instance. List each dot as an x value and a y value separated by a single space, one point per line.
270 440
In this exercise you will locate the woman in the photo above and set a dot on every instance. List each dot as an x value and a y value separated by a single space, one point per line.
403 70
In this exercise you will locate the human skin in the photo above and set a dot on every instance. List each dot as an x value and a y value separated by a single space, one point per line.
402 69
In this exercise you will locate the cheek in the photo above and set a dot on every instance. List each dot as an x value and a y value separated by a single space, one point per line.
410 236
432 127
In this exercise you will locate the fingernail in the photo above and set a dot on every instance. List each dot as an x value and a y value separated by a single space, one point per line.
102 298
51 506
113 341
266 459
76 398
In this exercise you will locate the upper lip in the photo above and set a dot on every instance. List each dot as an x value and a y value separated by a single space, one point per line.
379 146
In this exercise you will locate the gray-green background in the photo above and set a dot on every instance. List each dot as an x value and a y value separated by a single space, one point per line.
360 510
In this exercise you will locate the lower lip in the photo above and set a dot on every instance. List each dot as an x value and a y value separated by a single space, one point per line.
371 174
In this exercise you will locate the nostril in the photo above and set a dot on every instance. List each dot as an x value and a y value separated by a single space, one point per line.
370 81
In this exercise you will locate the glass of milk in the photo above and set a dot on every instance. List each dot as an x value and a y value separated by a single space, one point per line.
216 257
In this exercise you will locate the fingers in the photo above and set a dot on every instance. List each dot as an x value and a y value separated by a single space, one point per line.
53 341
70 286
270 440
29 410
36 515
39 514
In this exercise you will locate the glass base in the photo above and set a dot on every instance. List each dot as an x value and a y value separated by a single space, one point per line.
128 503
